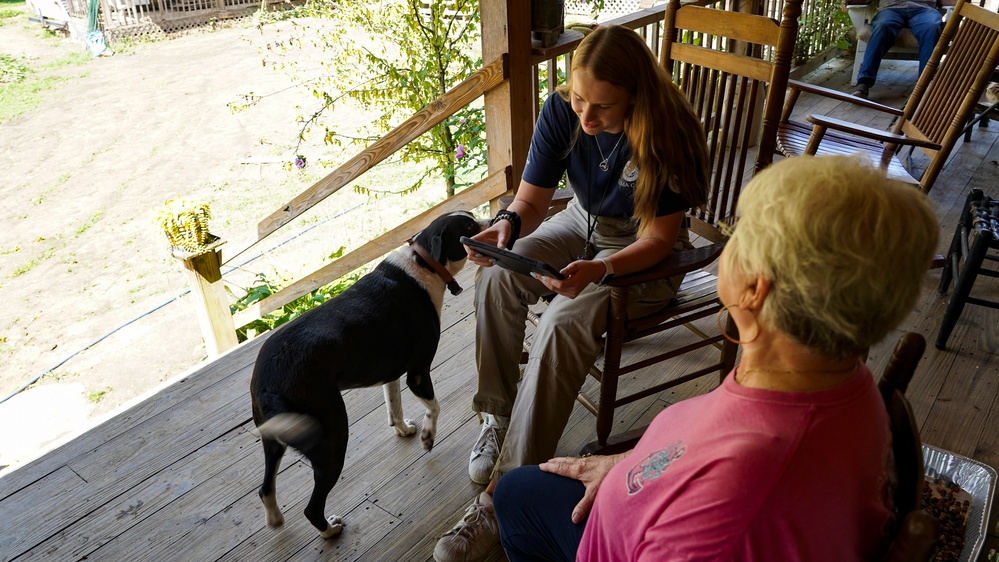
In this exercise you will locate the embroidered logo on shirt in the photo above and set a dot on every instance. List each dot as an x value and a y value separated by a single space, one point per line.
630 173
653 466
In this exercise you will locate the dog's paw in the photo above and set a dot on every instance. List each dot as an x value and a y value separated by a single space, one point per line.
275 521
272 511
404 429
427 437
335 528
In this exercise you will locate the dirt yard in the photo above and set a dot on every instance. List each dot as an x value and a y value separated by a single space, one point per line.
84 174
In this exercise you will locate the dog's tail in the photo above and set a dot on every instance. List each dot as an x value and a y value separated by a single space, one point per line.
298 430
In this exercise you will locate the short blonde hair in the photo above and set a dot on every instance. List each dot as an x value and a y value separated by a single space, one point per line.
844 247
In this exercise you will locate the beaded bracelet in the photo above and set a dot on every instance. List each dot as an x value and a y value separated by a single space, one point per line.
514 219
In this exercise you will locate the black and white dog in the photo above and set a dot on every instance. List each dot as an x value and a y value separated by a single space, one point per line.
386 324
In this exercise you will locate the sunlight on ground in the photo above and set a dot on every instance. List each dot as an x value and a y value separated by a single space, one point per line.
36 418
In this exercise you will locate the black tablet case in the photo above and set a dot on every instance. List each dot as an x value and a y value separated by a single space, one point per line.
512 261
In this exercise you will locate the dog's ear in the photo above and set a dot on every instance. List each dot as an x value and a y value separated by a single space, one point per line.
437 250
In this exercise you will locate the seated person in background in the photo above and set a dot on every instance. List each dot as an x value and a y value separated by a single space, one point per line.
789 458
921 16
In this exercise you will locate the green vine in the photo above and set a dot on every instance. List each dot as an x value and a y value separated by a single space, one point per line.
263 287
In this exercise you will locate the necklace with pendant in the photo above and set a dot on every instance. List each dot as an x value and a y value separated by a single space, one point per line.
591 220
604 163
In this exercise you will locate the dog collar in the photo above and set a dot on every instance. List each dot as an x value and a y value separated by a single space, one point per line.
439 269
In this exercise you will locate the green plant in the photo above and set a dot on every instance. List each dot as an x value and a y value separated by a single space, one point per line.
264 288
394 58
94 219
185 223
20 97
822 25
96 396
24 268
76 58
12 69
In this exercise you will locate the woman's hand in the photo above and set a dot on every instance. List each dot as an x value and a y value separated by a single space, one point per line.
578 274
531 205
591 471
495 235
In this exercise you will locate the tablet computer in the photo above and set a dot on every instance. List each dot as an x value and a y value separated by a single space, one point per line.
512 261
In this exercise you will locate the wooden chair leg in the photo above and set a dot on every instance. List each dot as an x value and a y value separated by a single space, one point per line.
962 287
956 251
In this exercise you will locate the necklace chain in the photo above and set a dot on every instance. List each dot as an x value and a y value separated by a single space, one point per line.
604 163
849 369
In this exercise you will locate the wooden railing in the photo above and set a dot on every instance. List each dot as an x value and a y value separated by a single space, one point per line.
219 326
447 105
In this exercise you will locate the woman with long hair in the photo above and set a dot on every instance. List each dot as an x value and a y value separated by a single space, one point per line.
635 156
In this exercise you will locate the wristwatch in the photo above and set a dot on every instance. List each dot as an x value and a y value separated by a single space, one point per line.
609 274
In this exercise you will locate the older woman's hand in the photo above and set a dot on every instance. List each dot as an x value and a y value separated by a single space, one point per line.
588 470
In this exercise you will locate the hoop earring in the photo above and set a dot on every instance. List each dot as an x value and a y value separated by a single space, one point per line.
725 333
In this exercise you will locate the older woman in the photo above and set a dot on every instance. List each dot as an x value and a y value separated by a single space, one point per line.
789 458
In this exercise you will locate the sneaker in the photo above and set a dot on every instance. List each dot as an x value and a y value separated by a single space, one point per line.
474 537
862 90
486 450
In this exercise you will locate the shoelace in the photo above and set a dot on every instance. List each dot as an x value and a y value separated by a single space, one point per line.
490 443
465 528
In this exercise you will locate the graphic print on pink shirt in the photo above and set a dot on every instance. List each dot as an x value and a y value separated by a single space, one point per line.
652 466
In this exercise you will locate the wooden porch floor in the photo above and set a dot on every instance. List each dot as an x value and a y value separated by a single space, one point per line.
175 477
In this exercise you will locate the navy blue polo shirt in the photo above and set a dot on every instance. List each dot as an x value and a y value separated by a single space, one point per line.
602 193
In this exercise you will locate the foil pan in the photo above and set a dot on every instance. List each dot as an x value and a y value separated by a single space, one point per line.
974 477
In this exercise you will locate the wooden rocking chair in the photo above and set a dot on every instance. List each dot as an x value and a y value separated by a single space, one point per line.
915 531
934 116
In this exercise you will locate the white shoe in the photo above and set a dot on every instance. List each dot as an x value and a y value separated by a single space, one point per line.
474 537
486 450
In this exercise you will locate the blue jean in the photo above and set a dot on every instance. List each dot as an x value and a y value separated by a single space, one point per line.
925 24
534 510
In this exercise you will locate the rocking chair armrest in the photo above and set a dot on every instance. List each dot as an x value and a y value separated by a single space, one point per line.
841 96
674 264
879 135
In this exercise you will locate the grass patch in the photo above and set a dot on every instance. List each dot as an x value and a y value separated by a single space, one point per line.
41 196
32 263
76 58
22 97
24 268
95 396
129 45
10 10
89 223
21 90
12 69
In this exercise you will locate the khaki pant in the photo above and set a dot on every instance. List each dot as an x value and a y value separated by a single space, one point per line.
566 342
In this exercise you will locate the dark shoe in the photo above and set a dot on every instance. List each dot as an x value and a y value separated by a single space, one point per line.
862 90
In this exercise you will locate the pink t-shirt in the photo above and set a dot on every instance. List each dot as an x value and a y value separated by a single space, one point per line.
749 474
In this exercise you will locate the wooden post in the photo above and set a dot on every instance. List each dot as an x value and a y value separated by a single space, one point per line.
506 30
205 276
